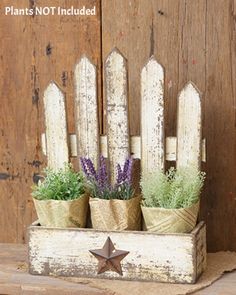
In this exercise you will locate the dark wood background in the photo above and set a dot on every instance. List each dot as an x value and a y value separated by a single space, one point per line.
193 39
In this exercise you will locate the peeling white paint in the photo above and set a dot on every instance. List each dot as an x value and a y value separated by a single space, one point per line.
117 110
86 110
152 116
189 127
156 257
56 127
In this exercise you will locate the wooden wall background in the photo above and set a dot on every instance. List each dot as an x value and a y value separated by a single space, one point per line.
193 39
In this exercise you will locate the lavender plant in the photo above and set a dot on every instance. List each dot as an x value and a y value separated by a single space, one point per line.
99 184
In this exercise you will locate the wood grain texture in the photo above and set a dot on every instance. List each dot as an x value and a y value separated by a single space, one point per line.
56 127
152 117
117 110
34 51
158 259
86 111
20 157
189 128
218 206
201 259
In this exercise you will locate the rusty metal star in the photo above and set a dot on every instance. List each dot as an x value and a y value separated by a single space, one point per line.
109 258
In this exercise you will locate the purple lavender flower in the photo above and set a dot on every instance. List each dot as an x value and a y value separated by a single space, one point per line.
102 173
91 168
125 169
83 166
129 172
119 178
99 184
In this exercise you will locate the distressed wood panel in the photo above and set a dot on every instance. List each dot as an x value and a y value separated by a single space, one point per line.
152 116
189 127
117 110
218 204
34 51
48 254
20 156
56 127
86 110
201 259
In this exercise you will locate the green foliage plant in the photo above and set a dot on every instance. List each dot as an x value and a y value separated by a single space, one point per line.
63 184
172 190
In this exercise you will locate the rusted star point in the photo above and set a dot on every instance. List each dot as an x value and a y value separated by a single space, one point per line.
109 258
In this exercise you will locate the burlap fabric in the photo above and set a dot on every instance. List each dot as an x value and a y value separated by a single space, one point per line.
55 213
161 220
116 214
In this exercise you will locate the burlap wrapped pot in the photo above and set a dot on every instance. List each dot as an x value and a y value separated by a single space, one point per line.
62 213
161 220
116 214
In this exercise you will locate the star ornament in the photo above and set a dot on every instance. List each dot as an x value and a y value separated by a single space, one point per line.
109 258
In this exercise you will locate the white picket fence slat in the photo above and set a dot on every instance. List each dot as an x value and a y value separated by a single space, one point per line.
189 127
117 110
56 127
152 116
86 110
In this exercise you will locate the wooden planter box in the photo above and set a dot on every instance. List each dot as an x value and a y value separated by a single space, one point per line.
173 258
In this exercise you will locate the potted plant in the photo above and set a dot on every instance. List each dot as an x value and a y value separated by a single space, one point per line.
113 207
61 199
171 200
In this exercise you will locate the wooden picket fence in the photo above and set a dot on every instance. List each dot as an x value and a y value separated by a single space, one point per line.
152 147
179 258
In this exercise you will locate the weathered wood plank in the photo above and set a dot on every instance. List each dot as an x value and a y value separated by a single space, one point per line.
152 116
117 110
56 127
189 127
86 110
156 257
201 259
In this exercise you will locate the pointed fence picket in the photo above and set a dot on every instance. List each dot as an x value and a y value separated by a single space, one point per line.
152 147
86 110
152 116
189 127
117 110
56 127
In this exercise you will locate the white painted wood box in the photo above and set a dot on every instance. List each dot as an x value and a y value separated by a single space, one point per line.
173 258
